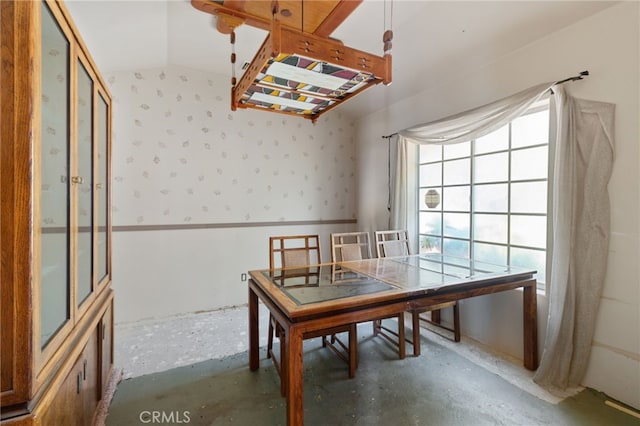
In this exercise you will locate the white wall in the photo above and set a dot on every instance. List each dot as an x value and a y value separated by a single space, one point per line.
182 157
606 44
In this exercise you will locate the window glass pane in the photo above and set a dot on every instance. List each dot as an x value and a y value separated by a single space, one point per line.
491 198
455 247
431 174
496 141
457 150
491 168
490 228
498 196
456 225
430 223
430 244
490 253
535 259
430 153
84 134
529 163
529 231
422 201
529 197
54 176
456 198
102 190
457 172
530 129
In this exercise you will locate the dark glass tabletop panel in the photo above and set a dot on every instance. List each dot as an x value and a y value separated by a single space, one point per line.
315 284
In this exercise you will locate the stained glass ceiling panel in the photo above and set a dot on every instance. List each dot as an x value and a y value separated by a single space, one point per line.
293 83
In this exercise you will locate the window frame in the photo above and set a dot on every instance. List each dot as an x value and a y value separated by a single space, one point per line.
543 280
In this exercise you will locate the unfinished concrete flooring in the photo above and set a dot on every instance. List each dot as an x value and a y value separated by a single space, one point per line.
440 387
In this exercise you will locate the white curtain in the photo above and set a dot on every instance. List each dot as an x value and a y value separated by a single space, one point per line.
583 163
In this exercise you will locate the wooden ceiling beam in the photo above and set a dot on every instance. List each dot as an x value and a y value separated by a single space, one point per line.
217 9
336 17
232 13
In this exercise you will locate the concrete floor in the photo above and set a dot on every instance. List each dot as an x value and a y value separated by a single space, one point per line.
449 384
155 345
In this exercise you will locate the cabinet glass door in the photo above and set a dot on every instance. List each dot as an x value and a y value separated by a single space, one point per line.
102 189
54 180
84 184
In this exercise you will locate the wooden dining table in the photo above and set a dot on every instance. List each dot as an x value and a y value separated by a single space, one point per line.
317 297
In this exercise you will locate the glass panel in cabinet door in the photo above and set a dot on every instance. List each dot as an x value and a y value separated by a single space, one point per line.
84 244
102 189
54 179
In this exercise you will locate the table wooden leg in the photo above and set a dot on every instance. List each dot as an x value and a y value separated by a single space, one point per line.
295 408
415 328
401 337
530 321
254 345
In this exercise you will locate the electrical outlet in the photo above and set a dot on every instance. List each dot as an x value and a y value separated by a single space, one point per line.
243 276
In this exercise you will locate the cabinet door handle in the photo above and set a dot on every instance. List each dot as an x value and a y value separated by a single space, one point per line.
78 382
84 370
77 179
104 330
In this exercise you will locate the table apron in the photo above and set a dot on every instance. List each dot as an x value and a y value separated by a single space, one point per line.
367 313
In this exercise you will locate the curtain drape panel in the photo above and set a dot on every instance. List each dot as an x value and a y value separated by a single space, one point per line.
583 163
477 122
399 186
580 217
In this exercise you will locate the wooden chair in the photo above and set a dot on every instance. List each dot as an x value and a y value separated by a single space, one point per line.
346 246
396 243
293 253
392 243
349 246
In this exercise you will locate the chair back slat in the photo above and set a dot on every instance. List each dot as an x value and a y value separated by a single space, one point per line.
294 251
346 246
392 243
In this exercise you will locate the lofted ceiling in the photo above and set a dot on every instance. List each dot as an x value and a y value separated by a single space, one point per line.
432 41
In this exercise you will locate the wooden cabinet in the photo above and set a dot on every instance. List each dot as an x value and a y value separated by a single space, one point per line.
57 302
77 398
106 348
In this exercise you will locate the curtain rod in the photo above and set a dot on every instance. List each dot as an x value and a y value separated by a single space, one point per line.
580 76
574 78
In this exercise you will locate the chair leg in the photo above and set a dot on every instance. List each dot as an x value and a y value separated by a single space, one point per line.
435 316
270 337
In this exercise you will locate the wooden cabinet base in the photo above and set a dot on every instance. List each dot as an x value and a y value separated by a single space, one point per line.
74 394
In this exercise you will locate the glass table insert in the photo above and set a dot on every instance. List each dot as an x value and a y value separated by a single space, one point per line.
316 284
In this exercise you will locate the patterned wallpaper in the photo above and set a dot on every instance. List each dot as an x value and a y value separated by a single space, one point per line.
180 155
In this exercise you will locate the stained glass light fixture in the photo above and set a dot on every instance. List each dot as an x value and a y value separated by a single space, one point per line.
303 74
